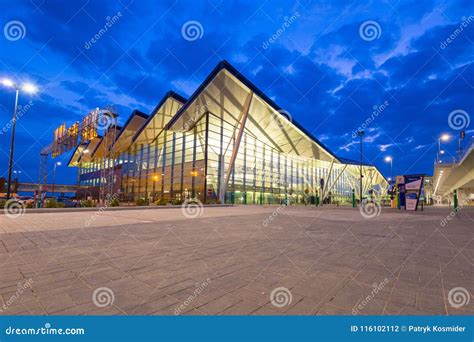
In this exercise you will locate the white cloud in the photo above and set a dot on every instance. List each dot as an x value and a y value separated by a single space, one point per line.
347 146
371 138
420 147
384 147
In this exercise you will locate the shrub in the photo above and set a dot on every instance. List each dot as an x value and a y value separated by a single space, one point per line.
52 203
87 203
115 203
141 201
160 201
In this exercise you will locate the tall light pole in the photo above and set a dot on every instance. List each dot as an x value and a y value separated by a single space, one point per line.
54 174
360 134
444 137
28 88
389 159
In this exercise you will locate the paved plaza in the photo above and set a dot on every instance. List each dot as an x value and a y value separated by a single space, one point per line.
242 260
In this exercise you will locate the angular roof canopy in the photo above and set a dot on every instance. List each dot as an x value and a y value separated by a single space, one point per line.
161 115
224 93
106 142
77 154
90 147
124 138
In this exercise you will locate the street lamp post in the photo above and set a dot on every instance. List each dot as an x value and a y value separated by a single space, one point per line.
444 137
389 159
54 174
360 134
29 88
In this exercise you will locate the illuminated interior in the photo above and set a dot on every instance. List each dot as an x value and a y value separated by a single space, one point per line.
229 143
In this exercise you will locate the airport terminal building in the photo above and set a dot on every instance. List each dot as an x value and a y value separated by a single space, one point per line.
227 143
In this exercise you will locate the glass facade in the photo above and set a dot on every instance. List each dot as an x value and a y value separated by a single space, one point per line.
181 165
226 144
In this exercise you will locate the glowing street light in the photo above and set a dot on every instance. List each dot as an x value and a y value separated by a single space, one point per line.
8 83
27 88
445 137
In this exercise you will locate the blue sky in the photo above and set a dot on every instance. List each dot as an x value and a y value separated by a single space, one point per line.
329 64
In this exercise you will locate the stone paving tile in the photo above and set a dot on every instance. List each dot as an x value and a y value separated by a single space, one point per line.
153 261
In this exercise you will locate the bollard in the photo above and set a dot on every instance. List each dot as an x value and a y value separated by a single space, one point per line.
353 199
398 198
455 202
